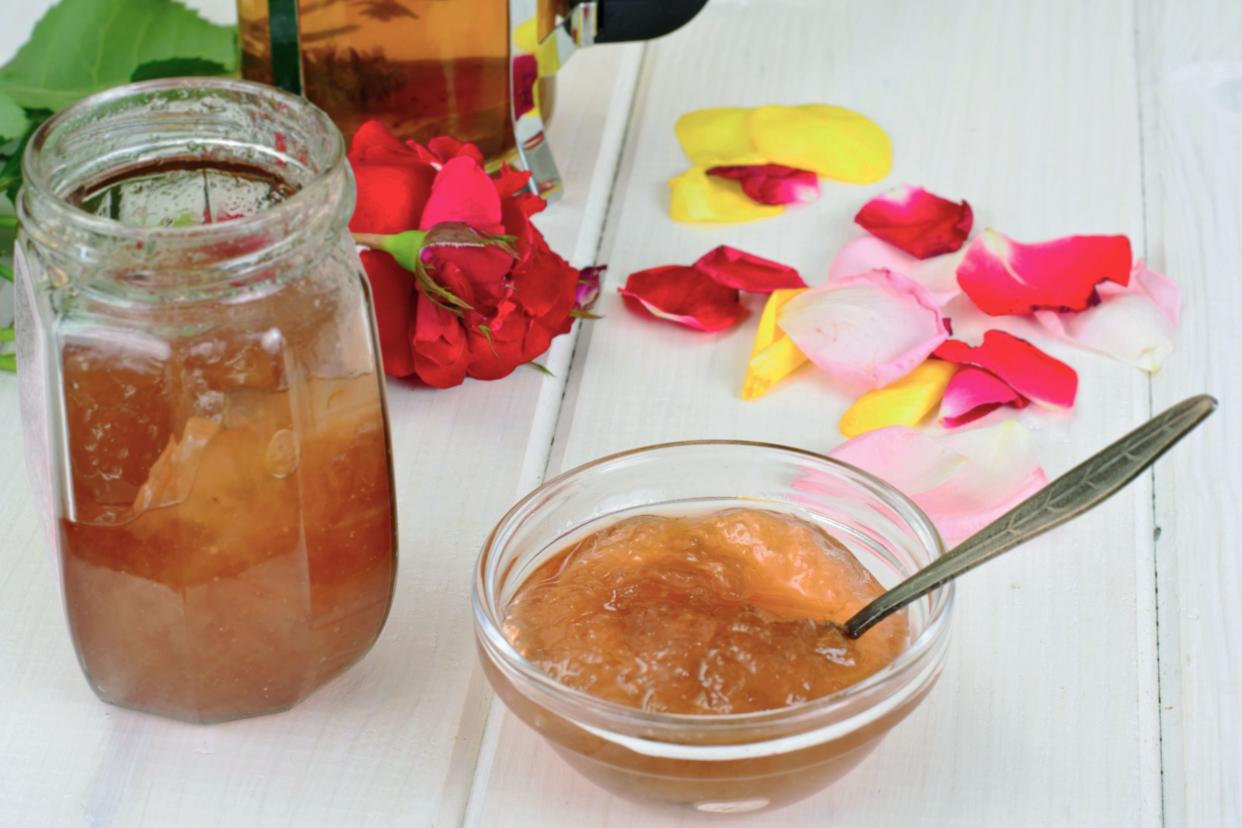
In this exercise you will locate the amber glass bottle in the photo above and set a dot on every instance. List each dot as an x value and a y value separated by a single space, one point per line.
423 67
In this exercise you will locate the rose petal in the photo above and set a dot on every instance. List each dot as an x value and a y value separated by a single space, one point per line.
938 274
683 295
700 198
773 183
745 271
390 198
832 141
1134 324
920 223
587 293
1028 370
906 402
869 329
392 294
774 355
962 480
975 393
374 144
715 137
463 192
1003 276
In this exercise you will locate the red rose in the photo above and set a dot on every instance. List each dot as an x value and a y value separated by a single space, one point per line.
483 307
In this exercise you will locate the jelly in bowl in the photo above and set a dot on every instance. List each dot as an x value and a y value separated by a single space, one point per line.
653 615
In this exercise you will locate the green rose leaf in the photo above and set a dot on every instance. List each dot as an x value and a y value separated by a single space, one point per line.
177 68
82 46
12 118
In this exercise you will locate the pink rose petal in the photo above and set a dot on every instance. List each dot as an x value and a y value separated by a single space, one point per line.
1028 370
963 480
463 192
1003 276
973 393
773 183
683 295
1134 324
920 223
738 269
938 275
869 329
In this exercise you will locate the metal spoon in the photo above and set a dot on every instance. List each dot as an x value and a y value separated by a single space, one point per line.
1078 490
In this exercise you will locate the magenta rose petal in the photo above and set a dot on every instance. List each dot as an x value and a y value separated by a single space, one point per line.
773 183
920 223
973 393
463 192
1002 276
869 329
685 296
1134 324
754 274
1025 368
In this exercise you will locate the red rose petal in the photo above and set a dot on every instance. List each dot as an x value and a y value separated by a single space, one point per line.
973 393
738 269
921 223
374 144
1003 276
773 183
390 198
392 294
440 353
510 181
1028 370
683 295
446 147
463 192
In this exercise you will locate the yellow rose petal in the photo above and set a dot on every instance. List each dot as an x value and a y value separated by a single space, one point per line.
702 198
905 402
717 137
833 141
774 355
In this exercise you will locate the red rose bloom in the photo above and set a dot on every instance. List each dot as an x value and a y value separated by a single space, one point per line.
513 293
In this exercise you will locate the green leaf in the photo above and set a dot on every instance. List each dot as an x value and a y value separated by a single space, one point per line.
6 273
8 362
8 335
177 68
11 167
543 369
82 46
12 118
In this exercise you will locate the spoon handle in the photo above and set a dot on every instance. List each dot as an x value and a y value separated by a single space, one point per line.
1081 488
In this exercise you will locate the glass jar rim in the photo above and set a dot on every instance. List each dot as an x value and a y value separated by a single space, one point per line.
36 178
487 621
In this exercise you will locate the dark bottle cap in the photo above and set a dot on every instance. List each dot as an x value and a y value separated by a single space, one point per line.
625 20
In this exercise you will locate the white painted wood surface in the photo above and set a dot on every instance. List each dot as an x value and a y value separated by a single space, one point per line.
1094 677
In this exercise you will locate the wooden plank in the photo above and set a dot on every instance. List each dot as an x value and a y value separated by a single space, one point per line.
395 738
1192 137
1046 711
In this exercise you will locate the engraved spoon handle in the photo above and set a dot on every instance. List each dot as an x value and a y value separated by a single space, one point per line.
1081 488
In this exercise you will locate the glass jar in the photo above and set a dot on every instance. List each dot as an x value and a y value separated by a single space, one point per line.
725 763
204 413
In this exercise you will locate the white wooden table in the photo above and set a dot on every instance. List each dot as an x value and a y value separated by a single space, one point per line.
1095 677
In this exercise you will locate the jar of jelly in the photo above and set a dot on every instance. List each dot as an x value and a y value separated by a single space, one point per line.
204 413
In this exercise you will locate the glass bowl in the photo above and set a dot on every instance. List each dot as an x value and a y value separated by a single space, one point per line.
715 763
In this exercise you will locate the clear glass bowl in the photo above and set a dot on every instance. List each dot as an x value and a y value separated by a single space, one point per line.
730 763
